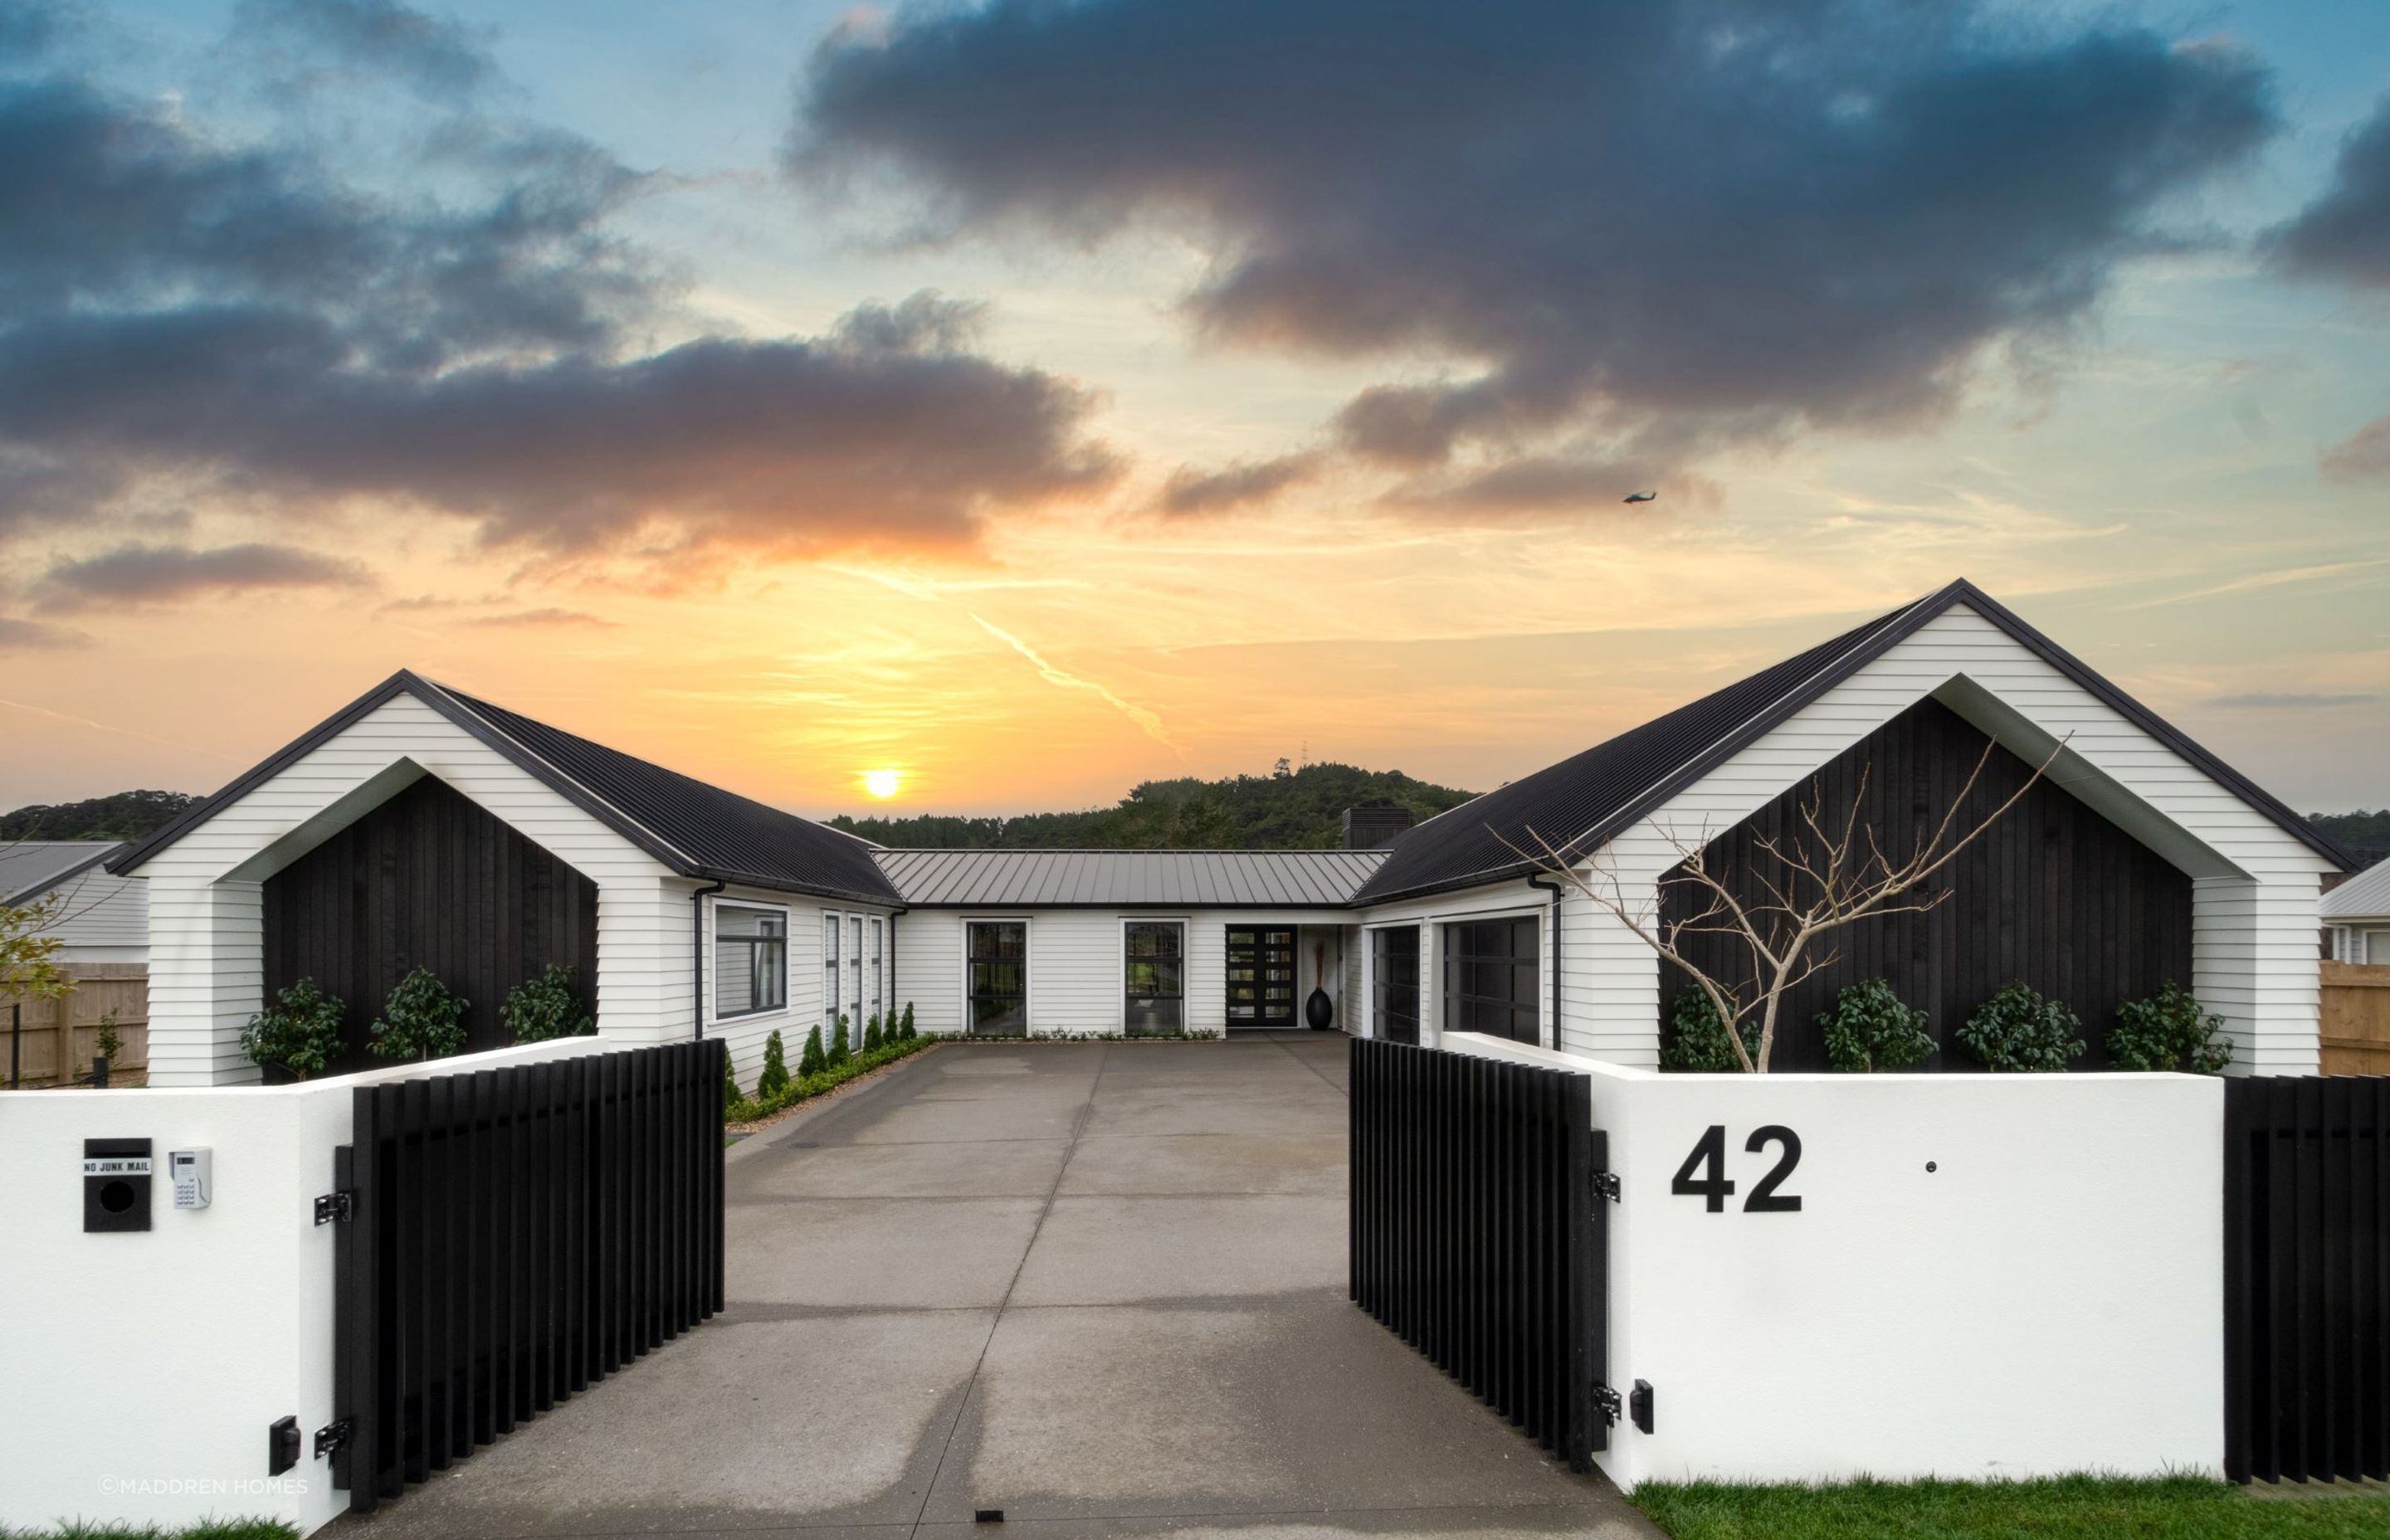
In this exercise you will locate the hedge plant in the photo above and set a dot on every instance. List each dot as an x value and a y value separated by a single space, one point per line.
905 1033
871 1031
811 1060
838 1049
805 1087
1869 1028
545 1007
420 1021
2168 1031
2019 1029
731 1095
1696 1039
301 1032
775 1078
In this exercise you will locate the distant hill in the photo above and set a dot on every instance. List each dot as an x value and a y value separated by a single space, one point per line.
125 816
1287 810
2367 835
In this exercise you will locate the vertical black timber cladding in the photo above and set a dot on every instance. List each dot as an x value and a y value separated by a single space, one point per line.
1475 1233
517 1235
2306 1258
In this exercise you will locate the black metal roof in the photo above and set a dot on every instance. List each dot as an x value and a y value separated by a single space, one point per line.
696 828
1583 801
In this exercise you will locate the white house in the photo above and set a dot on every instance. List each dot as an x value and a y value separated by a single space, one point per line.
419 825
2357 918
96 916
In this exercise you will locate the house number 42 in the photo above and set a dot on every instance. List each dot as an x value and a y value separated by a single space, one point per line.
1703 1173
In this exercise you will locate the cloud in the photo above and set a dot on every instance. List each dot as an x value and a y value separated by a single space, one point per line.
22 635
535 618
1191 491
2345 235
1539 484
2271 700
438 58
150 574
180 310
2362 456
1740 217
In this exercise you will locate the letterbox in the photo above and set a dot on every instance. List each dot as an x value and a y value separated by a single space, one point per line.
115 1185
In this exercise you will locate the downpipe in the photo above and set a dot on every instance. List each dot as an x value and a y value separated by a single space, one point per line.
1555 888
697 960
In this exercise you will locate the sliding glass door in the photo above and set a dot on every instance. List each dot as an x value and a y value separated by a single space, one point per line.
995 977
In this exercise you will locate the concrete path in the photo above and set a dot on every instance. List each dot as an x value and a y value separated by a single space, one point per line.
1098 1286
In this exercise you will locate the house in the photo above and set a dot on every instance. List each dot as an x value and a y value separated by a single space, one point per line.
2357 918
422 824
96 917
101 923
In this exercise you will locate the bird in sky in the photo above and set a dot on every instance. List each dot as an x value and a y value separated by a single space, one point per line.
1640 496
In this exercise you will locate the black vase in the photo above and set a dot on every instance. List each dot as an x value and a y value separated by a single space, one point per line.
1319 1011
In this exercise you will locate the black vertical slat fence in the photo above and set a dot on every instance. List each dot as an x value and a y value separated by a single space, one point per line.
2307 1278
1476 1232
517 1235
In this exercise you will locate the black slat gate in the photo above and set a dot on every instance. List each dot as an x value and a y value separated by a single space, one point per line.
1478 1233
2307 1277
513 1236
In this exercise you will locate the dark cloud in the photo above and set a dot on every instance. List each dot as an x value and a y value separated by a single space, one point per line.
1539 484
437 57
1742 216
150 574
1192 493
21 635
2363 455
2271 700
2345 235
178 310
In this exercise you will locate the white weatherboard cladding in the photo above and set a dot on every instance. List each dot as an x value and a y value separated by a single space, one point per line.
2045 1301
207 952
1076 981
101 918
2255 885
747 1034
1434 912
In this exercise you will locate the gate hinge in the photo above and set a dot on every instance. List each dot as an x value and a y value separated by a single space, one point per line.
335 1435
340 1205
1605 1184
1606 1402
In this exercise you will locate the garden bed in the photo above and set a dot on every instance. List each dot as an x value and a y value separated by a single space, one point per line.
2072 1507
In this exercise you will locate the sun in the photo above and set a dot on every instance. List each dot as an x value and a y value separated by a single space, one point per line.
882 783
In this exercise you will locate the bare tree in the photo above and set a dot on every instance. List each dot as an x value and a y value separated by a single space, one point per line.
1804 886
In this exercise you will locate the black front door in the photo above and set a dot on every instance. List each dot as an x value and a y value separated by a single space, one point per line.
1261 976
998 987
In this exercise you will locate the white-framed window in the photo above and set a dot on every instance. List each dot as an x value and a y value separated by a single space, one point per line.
855 979
750 959
1153 975
879 966
830 975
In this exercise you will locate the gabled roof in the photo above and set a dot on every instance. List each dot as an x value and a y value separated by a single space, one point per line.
696 828
1581 801
1109 878
31 867
2363 896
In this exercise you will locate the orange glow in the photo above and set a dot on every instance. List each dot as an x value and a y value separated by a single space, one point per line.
882 783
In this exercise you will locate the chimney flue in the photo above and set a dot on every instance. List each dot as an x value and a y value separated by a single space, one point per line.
1373 824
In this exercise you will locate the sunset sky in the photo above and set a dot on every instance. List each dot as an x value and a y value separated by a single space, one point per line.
1036 398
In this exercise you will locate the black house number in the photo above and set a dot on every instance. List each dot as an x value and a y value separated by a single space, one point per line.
1703 1173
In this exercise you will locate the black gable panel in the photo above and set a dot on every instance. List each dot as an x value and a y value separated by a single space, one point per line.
721 833
1573 797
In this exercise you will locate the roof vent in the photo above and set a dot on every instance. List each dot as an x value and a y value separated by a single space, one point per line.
1374 824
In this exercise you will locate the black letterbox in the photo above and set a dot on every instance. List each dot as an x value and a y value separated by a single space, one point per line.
115 1185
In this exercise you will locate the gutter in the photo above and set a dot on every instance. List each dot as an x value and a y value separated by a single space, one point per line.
1555 888
697 959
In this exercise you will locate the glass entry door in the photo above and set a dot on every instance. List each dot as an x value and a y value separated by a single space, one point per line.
1154 982
996 976
1261 976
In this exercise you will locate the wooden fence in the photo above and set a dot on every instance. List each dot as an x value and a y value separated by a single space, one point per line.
2356 1020
57 1039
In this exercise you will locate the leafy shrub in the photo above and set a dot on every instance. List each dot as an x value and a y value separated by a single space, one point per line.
775 1078
109 1042
548 1006
1869 1028
2168 1031
1696 1039
905 1033
420 1021
2018 1028
871 1032
811 1060
731 1095
838 1051
301 1032
805 1087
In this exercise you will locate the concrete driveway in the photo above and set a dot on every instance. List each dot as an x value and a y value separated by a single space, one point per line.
1098 1286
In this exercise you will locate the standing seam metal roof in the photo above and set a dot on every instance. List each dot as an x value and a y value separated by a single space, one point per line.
31 867
1193 878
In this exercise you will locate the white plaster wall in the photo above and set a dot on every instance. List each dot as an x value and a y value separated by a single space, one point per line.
206 891
2255 888
2049 1299
143 1370
1075 965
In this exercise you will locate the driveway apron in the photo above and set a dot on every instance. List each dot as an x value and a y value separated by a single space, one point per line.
1098 1287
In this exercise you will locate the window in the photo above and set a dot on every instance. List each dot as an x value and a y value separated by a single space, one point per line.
1261 976
750 959
830 976
855 979
1153 977
878 950
2374 948
1395 983
1491 981
995 977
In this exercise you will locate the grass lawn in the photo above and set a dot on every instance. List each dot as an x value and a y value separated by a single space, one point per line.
213 1529
2084 1506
